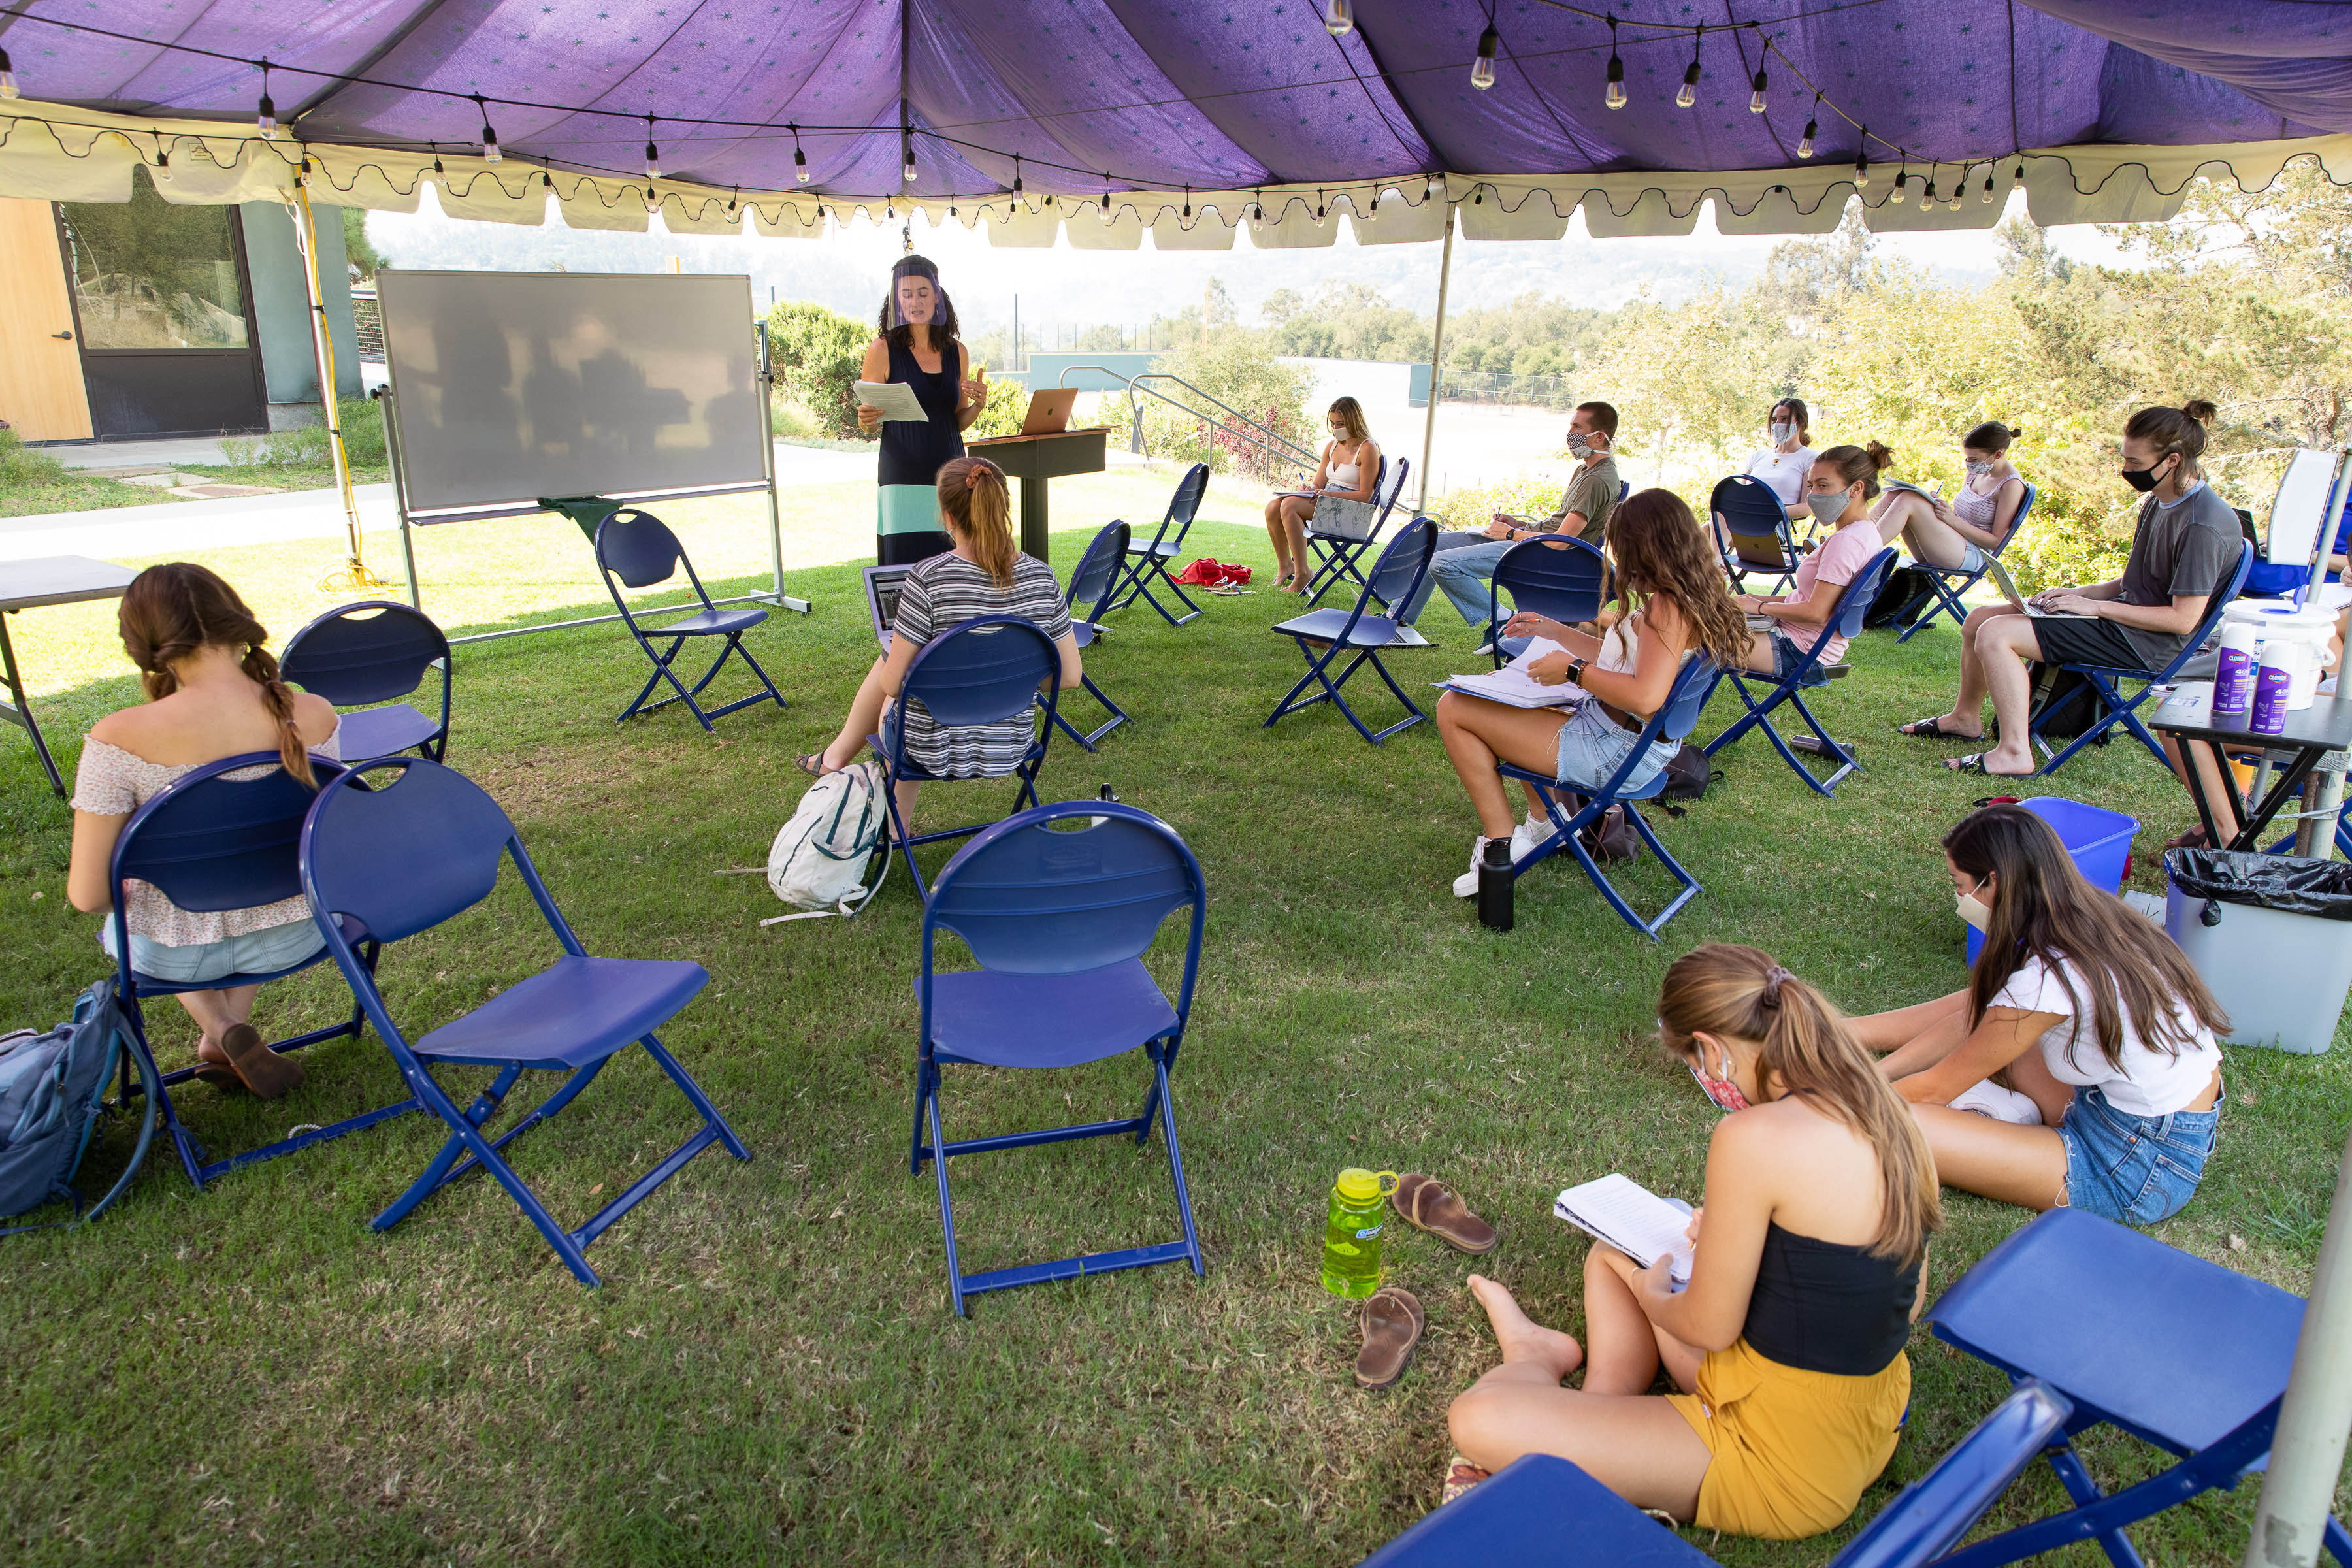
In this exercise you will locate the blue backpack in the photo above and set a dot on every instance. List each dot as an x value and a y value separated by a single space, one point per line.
52 1088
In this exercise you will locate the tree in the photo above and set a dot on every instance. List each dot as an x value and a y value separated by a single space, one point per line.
357 247
1238 368
817 354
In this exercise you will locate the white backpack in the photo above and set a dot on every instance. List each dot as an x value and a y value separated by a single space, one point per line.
818 861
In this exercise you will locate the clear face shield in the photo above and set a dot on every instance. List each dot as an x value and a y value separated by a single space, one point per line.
915 297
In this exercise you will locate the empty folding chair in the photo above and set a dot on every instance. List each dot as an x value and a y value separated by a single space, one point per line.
1323 636
1544 1513
1058 922
2115 708
1845 621
212 841
981 671
1090 582
2200 1379
1950 584
1554 575
1148 561
370 653
397 846
1674 721
1342 550
637 549
1756 526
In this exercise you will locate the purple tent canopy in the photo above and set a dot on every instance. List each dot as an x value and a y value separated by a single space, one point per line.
1193 97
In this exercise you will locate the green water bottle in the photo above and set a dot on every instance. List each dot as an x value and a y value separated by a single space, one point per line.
1351 1241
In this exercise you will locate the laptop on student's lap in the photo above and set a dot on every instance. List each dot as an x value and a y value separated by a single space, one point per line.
883 586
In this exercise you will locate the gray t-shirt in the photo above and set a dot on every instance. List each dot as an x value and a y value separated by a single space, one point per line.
2187 548
1591 495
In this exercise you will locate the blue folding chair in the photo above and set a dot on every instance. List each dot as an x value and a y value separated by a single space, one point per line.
2200 1374
1150 560
1059 923
2115 708
211 842
1090 582
1948 584
396 846
1674 721
979 671
637 549
1846 622
1340 552
1358 631
1555 574
1757 526
1544 1513
370 653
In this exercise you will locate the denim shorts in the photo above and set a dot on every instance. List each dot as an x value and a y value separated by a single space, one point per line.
2137 1169
1972 558
1786 654
264 951
1593 746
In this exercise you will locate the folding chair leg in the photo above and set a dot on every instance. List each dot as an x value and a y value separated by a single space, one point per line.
695 1096
947 1210
1176 1161
1159 570
1946 602
2076 1478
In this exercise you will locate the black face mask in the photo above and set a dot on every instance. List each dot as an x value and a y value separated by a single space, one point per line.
2142 480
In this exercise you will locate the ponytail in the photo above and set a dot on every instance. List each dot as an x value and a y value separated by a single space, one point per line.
1863 464
978 507
1806 1049
2180 429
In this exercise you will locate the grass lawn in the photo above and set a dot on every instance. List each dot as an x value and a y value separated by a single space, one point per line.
770 1372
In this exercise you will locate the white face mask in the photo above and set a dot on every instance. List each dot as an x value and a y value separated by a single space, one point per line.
1829 506
1780 434
1977 470
1578 446
1973 909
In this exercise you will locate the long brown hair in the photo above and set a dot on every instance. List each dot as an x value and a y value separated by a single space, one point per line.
1805 1049
1662 552
2044 908
173 611
1797 414
979 509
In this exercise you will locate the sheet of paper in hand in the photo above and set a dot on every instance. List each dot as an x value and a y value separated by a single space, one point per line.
1513 684
1632 1219
896 399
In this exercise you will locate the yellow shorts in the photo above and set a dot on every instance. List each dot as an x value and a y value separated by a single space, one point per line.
1793 1450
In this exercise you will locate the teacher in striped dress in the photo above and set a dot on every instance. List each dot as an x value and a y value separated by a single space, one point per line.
918 346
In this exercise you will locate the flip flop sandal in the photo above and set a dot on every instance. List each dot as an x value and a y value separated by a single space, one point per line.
261 1070
1391 1324
811 764
1932 730
219 1075
1461 1475
1427 1204
1974 763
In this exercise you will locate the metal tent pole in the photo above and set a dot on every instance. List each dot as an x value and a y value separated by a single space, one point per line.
2308 1448
355 574
1436 358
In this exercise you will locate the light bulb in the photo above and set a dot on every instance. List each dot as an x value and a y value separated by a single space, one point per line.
1988 187
7 77
266 117
799 166
1862 171
1339 17
1016 184
490 153
163 167
1929 199
1805 147
1900 180
1954 205
1689 93
1615 97
1756 101
1481 70
907 157
653 162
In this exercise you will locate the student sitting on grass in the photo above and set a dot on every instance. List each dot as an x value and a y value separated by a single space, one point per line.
984 573
1807 1274
1678 604
213 692
1843 479
2126 1078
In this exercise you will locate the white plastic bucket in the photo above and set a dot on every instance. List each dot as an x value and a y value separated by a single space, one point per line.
2284 622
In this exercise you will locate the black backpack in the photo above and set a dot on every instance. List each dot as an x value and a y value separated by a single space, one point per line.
1688 773
1907 593
2066 703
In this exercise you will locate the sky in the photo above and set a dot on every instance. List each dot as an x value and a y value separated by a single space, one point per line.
847 270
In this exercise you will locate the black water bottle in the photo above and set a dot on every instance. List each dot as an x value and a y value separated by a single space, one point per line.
1495 885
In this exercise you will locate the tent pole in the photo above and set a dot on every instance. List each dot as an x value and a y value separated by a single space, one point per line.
1436 358
355 574
2309 1447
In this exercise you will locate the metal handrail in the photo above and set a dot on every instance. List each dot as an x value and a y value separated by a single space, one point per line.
1133 385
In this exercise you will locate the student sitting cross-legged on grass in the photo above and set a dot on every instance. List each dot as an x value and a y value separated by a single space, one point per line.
1843 479
2103 1026
1678 604
984 573
1807 1274
213 692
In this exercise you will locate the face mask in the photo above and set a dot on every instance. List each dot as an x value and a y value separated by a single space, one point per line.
1722 1092
1780 434
2142 480
1829 506
1973 909
1577 445
1978 470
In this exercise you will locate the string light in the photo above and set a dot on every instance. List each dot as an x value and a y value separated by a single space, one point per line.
1756 100
1902 178
1988 184
1188 190
907 146
1929 199
1689 93
1960 188
653 153
7 77
162 159
1862 162
1017 175
800 158
1481 69
1813 129
1339 17
490 137
1615 97
266 115
1318 208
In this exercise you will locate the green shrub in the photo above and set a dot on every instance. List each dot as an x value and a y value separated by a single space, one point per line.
817 354
23 466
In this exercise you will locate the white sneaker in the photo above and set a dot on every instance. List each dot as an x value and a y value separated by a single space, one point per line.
1527 836
1990 1098
1482 650
1465 886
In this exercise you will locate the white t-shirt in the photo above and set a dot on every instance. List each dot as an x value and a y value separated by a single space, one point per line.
2149 1082
1784 471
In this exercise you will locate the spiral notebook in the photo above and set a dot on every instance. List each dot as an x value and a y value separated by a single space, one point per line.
1634 1220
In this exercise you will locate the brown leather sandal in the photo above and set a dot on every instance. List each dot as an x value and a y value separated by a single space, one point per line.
1427 1204
1391 1324
262 1070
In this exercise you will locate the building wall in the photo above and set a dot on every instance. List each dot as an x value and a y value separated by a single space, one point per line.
281 303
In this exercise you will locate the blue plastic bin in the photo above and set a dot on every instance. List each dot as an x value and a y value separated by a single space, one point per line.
2099 840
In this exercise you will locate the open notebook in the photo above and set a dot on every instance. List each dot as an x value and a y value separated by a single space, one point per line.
1513 685
1634 1220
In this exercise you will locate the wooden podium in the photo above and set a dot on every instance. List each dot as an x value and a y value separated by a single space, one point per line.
1034 459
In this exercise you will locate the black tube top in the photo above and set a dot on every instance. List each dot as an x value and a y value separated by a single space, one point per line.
1819 1305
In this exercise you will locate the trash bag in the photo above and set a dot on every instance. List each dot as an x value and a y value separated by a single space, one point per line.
2322 888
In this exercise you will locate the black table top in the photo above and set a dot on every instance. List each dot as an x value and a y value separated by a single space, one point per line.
2325 725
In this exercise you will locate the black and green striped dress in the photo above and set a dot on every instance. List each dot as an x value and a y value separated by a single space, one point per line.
907 507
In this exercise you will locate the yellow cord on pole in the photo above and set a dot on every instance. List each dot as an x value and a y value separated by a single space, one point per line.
355 575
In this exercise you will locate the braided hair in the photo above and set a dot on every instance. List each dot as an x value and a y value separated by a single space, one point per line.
173 612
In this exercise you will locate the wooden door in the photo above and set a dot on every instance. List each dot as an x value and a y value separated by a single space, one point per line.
40 364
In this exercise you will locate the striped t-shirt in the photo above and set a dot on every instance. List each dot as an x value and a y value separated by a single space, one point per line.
941 593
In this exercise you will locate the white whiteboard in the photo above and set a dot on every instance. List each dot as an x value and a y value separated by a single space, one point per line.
511 385
2300 512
